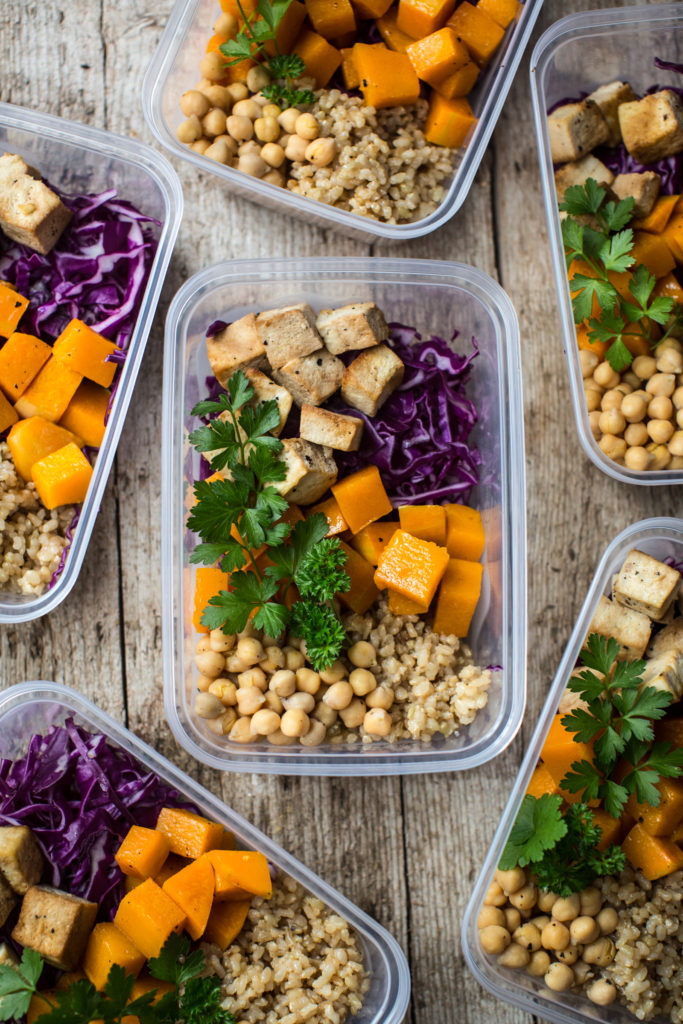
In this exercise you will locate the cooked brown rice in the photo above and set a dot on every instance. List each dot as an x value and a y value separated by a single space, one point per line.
31 538
294 961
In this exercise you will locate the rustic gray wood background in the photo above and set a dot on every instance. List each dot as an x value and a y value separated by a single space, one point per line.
406 850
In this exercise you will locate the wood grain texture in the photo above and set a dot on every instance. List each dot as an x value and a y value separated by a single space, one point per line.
406 850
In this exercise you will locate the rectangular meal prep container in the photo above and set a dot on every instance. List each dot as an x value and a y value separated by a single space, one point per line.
77 158
572 58
662 538
33 707
435 297
175 68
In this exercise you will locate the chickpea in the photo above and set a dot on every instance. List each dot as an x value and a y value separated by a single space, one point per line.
220 641
241 731
353 715
626 387
225 690
306 126
569 955
636 434
607 920
200 146
218 96
339 695
252 164
612 422
278 739
594 424
334 673
210 663
546 900
315 736
588 360
212 66
203 644
307 681
555 936
593 398
494 939
614 447
325 714
225 25
669 360
490 915
257 78
283 683
271 110
296 149
630 378
190 130
295 722
644 367
264 722
241 128
605 376
293 659
273 154
660 408
612 399
524 898
513 918
584 929
495 897
238 91
661 431
677 398
321 152
287 120
633 408
249 700
660 457
266 129
274 660
539 962
300 702
204 682
273 702
637 458
676 462
250 650
382 697
514 956
219 152
194 102
253 677
224 723
377 722
207 705
600 952
661 384
235 664
676 443
512 880
679 418
559 977
362 681
566 908
582 972
274 177
603 992
247 108
527 935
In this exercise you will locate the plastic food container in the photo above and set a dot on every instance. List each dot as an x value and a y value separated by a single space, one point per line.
175 68
81 159
573 57
436 297
660 538
33 707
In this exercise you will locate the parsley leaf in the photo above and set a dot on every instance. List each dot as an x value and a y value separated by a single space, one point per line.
539 825
18 984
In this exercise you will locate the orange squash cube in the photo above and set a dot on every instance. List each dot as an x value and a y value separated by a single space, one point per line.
371 8
208 582
662 819
477 30
560 750
226 921
146 983
12 308
460 83
41 1003
371 541
215 42
331 18
448 121
458 597
107 946
653 252
232 7
142 852
387 78
240 873
542 783
335 520
62 477
503 12
653 855
50 392
438 55
673 236
465 537
659 215
189 835
363 592
671 731
361 498
31 440
412 566
148 916
22 357
85 414
348 67
428 522
86 352
7 414
392 35
171 866
321 59
584 342
192 889
609 826
400 605
418 18
669 287
288 30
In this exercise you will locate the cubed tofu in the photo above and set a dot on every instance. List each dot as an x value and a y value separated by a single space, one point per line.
288 333
311 470
357 326
21 861
646 585
311 379
631 629
652 128
333 429
237 347
30 212
579 172
574 129
668 639
266 390
665 672
8 900
8 956
644 188
609 98
55 924
371 378
570 700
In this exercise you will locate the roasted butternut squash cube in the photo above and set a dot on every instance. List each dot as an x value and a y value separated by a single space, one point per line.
371 8
320 57
147 915
86 413
107 946
659 215
392 35
62 477
460 83
208 582
362 498
411 566
458 597
400 605
22 357
363 592
41 1003
335 520
331 18
448 121
171 866
653 252
240 873
86 352
12 308
560 750
541 783
226 921
662 819
465 536
142 852
420 17
288 29
8 415
50 392
503 12
477 30
387 78
438 55
673 236
425 521
189 834
371 541
669 287
349 69
653 855
32 439
192 888
609 826
145 983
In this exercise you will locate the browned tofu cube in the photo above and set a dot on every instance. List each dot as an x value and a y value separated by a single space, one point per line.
55 924
266 390
8 900
631 629
333 429
237 347
30 212
643 188
579 172
371 378
357 326
312 378
575 129
609 98
288 333
21 861
652 128
311 470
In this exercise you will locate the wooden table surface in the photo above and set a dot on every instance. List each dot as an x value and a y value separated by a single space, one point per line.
406 850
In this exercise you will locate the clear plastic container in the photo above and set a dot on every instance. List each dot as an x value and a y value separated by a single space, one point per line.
661 538
33 707
436 297
78 158
175 68
573 57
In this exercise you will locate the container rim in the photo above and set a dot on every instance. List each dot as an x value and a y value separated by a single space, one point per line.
377 270
570 28
667 528
153 87
397 996
128 151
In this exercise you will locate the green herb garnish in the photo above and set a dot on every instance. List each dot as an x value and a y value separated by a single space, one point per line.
250 44
608 250
237 520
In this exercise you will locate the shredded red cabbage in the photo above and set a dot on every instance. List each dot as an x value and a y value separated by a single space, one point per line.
80 795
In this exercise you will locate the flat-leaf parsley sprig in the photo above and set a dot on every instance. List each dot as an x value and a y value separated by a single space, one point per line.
605 246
